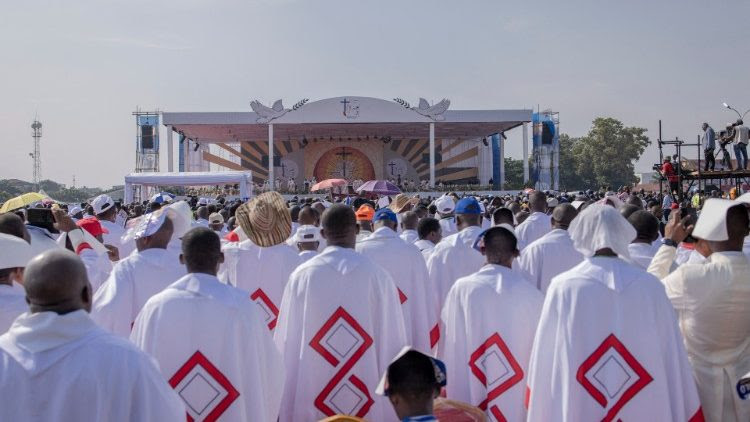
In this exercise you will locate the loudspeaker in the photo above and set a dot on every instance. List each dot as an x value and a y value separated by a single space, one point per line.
147 137
276 161
548 131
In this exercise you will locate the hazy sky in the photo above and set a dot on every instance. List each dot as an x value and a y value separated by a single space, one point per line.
84 66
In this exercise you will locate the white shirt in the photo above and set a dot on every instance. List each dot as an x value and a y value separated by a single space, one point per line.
306 255
642 253
535 226
426 247
490 318
133 281
114 238
12 304
547 257
409 236
199 326
82 372
448 226
340 325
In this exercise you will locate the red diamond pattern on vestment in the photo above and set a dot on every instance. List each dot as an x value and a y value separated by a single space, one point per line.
495 367
207 393
612 376
269 310
401 296
342 342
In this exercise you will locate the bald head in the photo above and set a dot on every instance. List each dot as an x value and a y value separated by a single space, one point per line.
409 220
202 213
13 225
309 216
500 246
56 281
563 215
340 226
502 215
645 225
538 202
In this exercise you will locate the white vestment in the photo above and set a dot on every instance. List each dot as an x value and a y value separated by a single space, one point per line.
132 282
114 238
547 257
426 247
12 304
448 226
711 300
535 226
98 267
306 255
340 325
453 257
214 349
490 318
409 235
362 235
642 253
66 368
608 348
261 272
406 267
41 240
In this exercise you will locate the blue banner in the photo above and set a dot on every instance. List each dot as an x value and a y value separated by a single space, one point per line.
496 157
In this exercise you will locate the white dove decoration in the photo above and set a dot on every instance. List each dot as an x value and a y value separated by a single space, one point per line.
434 112
266 114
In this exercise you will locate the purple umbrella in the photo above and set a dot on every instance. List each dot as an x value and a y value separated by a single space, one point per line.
380 187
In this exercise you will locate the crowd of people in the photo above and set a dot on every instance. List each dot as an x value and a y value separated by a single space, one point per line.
539 306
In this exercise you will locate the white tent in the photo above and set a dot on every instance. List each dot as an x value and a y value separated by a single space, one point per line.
242 178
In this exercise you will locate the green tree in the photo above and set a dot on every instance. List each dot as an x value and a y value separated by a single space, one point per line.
604 157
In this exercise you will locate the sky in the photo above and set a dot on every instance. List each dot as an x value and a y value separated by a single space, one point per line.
84 66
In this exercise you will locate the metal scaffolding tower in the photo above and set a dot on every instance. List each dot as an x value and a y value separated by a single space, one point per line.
36 133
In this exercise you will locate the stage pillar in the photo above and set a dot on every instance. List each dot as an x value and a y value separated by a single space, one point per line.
271 176
525 153
501 141
170 150
432 155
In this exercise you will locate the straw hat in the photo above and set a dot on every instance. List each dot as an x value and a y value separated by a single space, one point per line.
401 201
265 219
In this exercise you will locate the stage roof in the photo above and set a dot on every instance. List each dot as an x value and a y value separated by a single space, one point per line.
348 117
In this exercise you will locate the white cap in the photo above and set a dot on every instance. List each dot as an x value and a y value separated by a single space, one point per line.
601 226
204 201
16 253
216 218
552 202
75 209
145 225
445 204
712 222
577 204
307 233
102 203
745 197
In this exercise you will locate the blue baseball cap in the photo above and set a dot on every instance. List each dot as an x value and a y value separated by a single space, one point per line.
468 205
385 214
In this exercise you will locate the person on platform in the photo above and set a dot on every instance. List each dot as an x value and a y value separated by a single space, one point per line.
708 142
741 139
211 341
607 346
16 253
491 316
445 209
668 171
338 292
409 221
364 216
537 224
56 364
430 232
553 253
106 212
642 249
407 269
455 257
261 265
728 137
710 299
138 277
307 240
412 382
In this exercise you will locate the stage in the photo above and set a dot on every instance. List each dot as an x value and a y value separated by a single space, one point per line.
356 138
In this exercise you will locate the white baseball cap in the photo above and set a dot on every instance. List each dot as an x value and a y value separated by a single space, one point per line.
445 204
16 252
216 218
307 233
102 203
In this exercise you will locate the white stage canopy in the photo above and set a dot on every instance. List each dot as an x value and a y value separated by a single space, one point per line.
242 178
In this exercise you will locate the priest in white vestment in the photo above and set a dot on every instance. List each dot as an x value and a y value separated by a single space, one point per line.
406 267
261 265
56 364
643 248
340 324
136 278
490 318
106 212
409 221
538 223
455 257
608 346
430 234
711 300
210 341
445 208
553 253
15 253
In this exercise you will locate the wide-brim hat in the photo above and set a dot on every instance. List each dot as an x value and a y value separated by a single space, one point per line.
401 201
265 219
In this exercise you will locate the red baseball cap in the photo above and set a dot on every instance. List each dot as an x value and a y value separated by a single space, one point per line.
92 225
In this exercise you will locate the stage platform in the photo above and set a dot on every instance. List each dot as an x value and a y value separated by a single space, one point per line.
715 175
